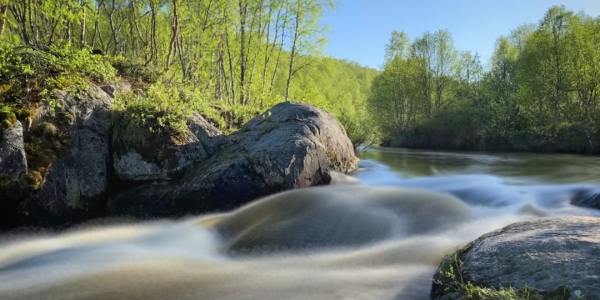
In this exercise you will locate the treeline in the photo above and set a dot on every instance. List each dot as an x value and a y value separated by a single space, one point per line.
233 48
236 57
541 91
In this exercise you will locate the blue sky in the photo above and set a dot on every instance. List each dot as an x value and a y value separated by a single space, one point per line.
359 29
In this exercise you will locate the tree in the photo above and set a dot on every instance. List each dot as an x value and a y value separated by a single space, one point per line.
305 35
541 92
398 46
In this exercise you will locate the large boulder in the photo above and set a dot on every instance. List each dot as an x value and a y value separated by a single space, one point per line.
289 146
69 143
554 258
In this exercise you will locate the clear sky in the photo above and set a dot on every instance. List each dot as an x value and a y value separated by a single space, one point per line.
359 29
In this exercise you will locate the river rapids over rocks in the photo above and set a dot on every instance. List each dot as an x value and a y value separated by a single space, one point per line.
377 235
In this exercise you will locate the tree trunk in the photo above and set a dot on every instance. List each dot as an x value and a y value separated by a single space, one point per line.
2 17
174 34
293 51
83 25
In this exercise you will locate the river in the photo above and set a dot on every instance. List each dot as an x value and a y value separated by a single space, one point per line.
380 238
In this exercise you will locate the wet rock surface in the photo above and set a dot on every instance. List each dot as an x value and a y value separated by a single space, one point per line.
587 198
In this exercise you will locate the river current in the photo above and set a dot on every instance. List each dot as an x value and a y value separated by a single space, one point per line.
377 235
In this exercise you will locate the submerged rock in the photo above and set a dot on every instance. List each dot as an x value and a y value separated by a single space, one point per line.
554 258
289 146
587 198
336 216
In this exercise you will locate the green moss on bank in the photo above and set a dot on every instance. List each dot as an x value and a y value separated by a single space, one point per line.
7 118
32 82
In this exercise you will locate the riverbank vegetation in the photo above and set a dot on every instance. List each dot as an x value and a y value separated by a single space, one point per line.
541 91
229 59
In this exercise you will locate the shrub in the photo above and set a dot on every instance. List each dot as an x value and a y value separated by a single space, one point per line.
29 74
160 107
7 117
24 63
359 130
136 70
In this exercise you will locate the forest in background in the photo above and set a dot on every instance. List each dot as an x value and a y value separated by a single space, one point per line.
230 60
540 93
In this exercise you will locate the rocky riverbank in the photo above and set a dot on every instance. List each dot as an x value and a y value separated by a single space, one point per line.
78 159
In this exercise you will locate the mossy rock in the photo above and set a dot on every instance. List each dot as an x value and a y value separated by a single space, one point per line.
147 152
449 284
45 143
544 259
150 144
7 117
33 180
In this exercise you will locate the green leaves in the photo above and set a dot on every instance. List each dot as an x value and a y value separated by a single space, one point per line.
160 108
542 92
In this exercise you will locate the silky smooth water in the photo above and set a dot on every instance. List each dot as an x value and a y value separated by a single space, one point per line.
379 238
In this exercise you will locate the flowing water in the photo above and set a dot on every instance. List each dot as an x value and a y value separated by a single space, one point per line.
378 238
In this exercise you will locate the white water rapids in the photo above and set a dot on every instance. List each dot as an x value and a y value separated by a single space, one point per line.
373 240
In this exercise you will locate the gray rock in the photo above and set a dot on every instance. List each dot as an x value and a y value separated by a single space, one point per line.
119 87
13 162
142 155
132 166
554 257
77 181
208 135
13 169
289 146
295 138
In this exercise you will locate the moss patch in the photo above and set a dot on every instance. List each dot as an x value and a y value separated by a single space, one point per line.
7 117
43 145
153 142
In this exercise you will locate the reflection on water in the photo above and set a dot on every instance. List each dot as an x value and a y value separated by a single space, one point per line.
374 239
520 167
